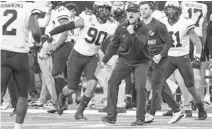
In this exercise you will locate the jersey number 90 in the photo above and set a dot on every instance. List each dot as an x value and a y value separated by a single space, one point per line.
96 37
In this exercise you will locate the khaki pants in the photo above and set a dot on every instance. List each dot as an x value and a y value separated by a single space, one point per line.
48 84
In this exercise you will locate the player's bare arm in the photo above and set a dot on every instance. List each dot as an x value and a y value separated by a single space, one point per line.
34 27
196 41
62 37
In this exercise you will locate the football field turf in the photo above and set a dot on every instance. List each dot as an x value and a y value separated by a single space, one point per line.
40 119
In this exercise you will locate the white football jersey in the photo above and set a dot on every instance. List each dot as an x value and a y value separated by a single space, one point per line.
196 12
73 34
15 25
57 14
180 38
93 34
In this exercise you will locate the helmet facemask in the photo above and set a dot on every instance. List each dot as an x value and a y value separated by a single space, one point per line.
102 12
173 12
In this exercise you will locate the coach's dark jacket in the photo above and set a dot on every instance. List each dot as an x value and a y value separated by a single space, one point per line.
208 44
132 48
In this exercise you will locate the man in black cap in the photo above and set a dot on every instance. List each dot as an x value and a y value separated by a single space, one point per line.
130 40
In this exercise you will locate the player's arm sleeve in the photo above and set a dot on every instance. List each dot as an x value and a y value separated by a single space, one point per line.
34 28
165 38
66 27
113 47
196 41
204 31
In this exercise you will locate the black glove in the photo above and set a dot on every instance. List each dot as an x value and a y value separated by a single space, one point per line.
49 53
44 38
196 63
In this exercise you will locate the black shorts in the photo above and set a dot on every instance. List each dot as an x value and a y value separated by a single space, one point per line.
17 65
60 58
77 63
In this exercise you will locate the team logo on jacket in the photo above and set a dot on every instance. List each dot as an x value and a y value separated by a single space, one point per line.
151 33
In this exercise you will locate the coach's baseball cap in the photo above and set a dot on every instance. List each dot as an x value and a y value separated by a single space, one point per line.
133 8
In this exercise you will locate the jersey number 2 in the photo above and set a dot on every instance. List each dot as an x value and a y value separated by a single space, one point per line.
97 37
11 20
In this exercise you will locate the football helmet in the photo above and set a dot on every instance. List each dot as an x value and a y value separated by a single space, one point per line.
56 3
71 6
102 10
62 13
173 9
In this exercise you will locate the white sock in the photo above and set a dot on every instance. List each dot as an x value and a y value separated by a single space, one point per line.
18 126
129 95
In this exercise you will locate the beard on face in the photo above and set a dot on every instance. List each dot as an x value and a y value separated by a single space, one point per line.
118 12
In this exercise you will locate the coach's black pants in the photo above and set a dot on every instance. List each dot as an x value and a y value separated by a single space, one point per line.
157 80
122 70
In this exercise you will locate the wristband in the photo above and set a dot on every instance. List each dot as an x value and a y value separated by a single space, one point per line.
48 34
197 55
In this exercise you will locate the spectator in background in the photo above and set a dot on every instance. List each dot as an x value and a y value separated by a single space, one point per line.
208 51
208 45
60 15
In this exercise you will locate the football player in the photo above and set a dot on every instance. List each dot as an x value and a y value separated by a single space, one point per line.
18 18
96 26
181 30
61 16
197 12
